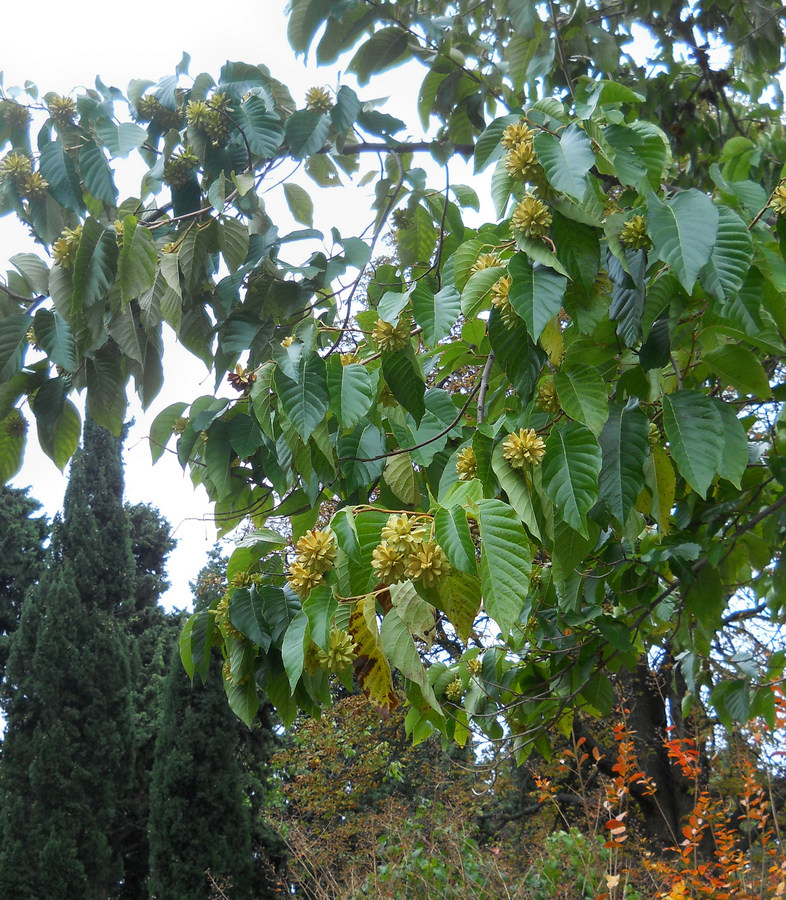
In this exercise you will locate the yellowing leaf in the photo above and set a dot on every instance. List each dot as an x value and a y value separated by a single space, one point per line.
372 670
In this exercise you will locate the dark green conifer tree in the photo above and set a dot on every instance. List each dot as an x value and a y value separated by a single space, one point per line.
21 559
153 633
68 753
209 785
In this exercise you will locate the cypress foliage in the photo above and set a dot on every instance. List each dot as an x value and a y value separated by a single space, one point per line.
68 753
209 787
21 559
198 820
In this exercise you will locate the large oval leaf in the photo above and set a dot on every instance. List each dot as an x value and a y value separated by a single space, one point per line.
570 473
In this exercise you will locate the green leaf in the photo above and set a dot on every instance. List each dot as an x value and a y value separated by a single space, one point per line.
435 313
362 456
163 427
293 648
351 391
97 174
138 260
477 291
582 395
243 700
695 431
34 271
737 366
244 435
13 343
106 389
121 139
54 337
262 129
513 482
624 446
734 460
306 132
404 377
306 400
505 562
453 535
399 648
346 110
320 606
401 477
567 159
245 613
683 232
381 51
536 293
218 457
418 615
95 265
57 168
300 204
416 242
59 427
662 482
233 238
724 274
570 472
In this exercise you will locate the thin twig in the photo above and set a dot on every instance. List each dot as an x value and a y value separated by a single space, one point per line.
484 386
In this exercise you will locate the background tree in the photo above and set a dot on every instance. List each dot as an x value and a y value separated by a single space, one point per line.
152 636
69 744
21 559
550 441
208 788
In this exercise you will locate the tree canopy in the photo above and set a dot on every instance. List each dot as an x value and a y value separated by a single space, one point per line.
548 447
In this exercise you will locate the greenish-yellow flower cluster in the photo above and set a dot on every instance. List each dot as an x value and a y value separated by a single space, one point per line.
524 449
316 554
405 553
392 337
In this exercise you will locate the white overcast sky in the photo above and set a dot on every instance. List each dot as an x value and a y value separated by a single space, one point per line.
59 47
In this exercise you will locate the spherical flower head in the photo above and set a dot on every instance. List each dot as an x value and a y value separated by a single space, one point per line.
146 109
466 464
401 218
65 247
653 437
15 425
521 161
547 396
388 563
340 652
634 234
485 261
778 199
240 579
15 167
474 666
179 425
402 531
34 186
221 612
303 580
318 100
347 359
16 115
391 338
454 691
30 337
524 449
427 563
221 102
198 113
288 341
500 299
516 134
316 550
62 110
217 127
531 217
178 169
